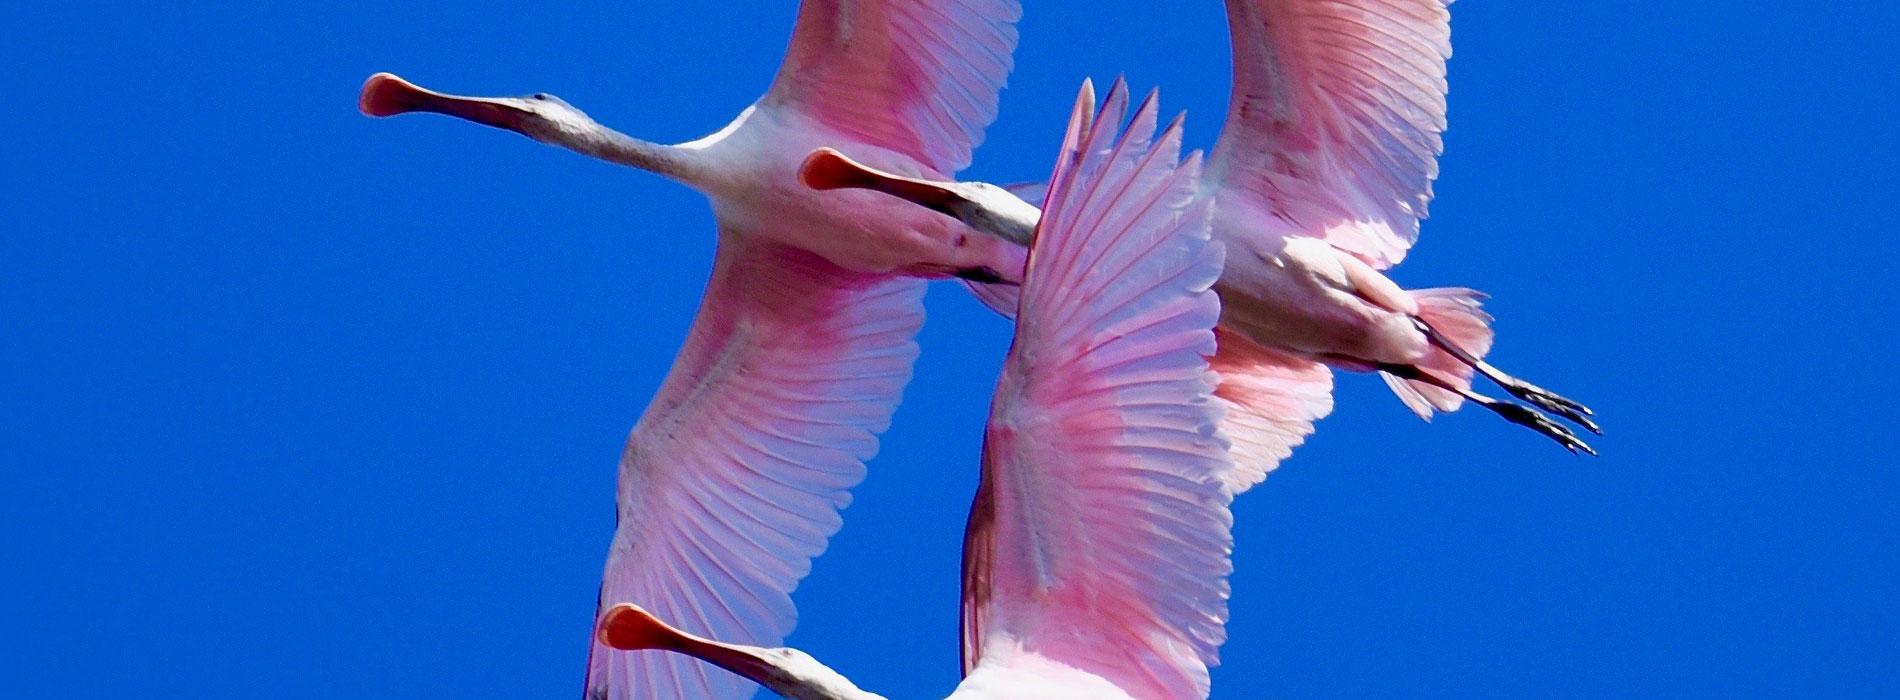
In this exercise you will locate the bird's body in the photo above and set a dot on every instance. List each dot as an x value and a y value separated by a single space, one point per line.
1319 181
1304 297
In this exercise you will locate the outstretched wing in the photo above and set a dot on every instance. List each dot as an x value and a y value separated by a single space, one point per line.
1097 555
919 77
732 480
1334 128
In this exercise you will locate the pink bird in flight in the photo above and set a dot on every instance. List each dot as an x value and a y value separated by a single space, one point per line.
732 480
1319 180
1096 559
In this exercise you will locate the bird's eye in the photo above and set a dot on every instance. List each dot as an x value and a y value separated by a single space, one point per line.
542 96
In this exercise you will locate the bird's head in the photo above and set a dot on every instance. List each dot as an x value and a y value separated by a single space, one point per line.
540 116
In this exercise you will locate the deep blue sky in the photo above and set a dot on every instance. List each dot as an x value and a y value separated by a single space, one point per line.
299 403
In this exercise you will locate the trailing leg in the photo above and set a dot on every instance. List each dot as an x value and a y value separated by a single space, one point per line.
1515 413
1540 397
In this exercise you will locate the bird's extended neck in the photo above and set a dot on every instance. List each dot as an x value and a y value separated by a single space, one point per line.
615 147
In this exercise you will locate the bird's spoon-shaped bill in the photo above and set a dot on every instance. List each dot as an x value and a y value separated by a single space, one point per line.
980 205
387 95
631 628
788 672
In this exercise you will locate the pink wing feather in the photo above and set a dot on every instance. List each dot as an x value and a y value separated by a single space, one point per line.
919 77
1335 124
1097 557
1272 399
732 480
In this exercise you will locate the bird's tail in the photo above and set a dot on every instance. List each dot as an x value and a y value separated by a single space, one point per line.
1457 315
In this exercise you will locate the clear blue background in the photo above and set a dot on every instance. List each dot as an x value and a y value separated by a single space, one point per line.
296 403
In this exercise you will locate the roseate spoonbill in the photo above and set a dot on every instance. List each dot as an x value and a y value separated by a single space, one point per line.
732 479
1096 558
1320 178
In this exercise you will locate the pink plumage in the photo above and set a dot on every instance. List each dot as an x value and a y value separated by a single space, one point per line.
1096 557
1336 117
732 480
1272 399
919 77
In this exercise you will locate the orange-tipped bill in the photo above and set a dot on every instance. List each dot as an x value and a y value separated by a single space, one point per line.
827 169
386 95
979 205
630 628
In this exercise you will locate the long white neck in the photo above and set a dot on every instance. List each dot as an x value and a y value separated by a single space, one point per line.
792 674
615 147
